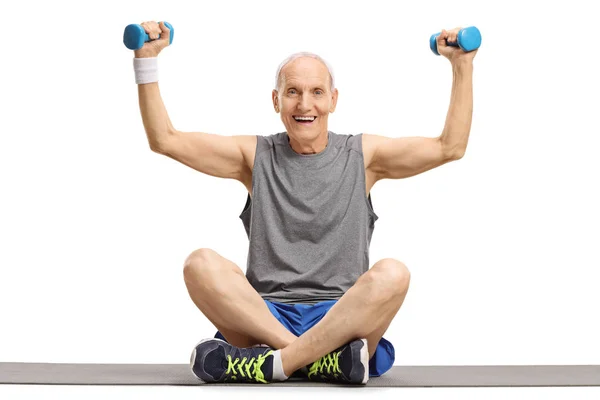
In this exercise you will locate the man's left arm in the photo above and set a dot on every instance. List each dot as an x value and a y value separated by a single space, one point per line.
456 131
395 158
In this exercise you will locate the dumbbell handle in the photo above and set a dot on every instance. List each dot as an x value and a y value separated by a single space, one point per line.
135 36
468 39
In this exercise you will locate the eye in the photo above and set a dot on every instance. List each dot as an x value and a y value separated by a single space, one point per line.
292 91
319 91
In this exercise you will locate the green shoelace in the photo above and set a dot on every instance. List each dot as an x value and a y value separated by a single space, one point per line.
327 364
250 370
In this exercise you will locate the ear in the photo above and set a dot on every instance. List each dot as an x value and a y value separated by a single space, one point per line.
334 98
275 96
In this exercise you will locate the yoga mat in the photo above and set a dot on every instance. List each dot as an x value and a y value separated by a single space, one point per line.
398 376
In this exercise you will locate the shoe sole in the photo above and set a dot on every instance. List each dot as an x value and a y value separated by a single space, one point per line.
364 359
193 356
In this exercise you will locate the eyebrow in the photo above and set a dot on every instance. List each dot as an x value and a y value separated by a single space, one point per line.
313 87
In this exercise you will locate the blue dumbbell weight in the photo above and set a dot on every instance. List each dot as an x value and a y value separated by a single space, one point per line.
468 39
135 36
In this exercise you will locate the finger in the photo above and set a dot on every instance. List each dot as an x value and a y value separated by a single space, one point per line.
149 29
145 26
165 32
441 39
155 31
455 33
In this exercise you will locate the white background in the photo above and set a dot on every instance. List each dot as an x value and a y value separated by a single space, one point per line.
94 226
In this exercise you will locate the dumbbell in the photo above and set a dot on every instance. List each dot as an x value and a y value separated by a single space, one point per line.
135 36
468 39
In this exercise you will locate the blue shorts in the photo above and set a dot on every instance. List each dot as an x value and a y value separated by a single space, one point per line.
298 318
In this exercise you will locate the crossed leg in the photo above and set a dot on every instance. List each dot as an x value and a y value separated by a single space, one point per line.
219 288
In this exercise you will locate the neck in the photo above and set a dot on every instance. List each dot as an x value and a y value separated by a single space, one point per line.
309 147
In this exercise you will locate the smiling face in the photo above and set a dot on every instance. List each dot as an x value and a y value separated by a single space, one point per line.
305 100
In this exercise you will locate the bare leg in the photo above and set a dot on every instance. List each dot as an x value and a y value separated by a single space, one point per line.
220 290
218 287
365 311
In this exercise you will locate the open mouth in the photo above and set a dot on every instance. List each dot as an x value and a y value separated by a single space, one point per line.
304 120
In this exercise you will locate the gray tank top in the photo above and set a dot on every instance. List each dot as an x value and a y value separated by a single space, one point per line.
309 220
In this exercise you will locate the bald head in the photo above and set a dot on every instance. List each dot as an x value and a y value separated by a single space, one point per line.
304 61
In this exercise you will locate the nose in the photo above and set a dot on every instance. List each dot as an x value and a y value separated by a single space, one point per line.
305 104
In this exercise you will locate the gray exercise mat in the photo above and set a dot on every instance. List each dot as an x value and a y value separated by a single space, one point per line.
399 376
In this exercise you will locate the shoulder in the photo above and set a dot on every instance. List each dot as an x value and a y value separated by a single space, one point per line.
363 143
247 145
370 143
253 145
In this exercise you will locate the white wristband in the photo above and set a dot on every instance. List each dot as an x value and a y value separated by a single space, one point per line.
146 70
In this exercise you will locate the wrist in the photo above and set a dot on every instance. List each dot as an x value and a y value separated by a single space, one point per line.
143 54
145 69
462 64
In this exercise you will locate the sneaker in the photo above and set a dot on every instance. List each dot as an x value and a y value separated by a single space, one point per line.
348 364
214 360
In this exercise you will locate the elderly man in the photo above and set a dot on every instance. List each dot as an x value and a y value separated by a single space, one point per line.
309 304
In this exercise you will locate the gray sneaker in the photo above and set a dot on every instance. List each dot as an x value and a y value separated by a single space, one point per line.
214 360
348 364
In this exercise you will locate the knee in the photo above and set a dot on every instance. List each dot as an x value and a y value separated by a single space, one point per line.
390 278
200 264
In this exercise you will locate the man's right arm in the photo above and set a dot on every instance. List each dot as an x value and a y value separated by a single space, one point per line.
154 116
215 155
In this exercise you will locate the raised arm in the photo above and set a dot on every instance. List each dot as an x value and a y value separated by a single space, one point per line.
396 158
212 154
157 124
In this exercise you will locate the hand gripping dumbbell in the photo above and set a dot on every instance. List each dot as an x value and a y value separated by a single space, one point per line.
135 36
468 39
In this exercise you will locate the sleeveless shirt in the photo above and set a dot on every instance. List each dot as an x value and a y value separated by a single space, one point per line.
309 221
